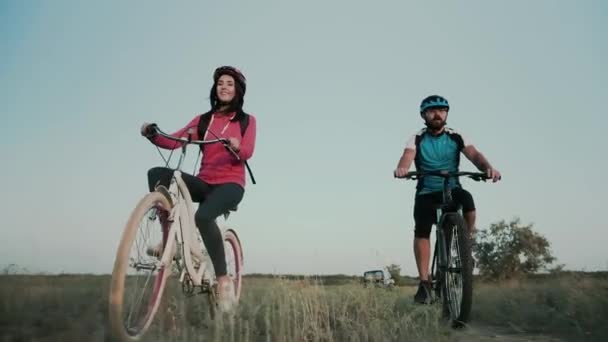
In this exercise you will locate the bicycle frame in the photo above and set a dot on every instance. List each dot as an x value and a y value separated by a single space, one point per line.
182 234
440 242
182 229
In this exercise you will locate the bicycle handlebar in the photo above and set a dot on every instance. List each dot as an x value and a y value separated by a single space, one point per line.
157 130
477 176
223 141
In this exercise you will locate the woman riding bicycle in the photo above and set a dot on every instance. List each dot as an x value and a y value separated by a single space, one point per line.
220 184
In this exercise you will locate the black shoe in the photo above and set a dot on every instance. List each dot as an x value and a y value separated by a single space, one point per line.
423 296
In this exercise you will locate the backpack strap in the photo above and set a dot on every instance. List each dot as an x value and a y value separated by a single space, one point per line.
244 123
203 124
419 138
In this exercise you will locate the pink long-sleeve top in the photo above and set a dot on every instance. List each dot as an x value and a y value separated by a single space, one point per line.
218 165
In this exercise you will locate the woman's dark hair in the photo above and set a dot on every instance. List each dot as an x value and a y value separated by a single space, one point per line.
235 105
240 84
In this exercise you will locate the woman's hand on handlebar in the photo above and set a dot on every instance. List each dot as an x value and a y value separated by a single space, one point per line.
148 129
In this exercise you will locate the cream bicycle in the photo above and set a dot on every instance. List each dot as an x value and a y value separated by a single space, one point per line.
139 278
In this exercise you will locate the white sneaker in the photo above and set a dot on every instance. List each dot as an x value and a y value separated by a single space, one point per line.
226 299
157 251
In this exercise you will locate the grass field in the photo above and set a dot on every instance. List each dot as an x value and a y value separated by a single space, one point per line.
570 307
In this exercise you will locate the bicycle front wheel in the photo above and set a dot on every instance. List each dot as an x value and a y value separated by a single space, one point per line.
458 277
139 278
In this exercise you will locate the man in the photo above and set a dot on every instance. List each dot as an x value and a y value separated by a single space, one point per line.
437 148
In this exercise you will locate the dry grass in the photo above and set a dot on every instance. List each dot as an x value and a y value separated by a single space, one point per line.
74 308
574 306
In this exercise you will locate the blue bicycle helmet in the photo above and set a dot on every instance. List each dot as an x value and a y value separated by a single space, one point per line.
433 101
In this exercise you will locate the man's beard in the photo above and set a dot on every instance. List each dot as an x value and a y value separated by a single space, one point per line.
435 124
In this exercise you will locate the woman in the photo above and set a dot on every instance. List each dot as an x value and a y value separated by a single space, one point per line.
219 185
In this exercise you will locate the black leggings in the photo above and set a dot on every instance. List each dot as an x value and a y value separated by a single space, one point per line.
214 200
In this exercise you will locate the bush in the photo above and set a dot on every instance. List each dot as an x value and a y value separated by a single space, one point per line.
508 250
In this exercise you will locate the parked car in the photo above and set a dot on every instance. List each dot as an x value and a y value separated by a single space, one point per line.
378 278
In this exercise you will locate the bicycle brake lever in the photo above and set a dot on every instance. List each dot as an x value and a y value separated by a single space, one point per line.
477 178
227 146
190 133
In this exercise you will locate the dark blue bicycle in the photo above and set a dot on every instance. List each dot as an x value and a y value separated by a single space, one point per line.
452 267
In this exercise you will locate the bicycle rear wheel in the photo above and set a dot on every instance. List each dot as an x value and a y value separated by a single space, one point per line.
457 291
138 280
234 260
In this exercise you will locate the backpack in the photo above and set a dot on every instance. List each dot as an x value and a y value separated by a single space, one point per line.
450 132
203 124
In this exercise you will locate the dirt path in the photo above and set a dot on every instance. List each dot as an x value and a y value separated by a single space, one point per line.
478 332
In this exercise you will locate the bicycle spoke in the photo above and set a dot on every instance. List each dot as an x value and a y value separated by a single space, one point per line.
143 271
454 275
231 267
139 277
138 302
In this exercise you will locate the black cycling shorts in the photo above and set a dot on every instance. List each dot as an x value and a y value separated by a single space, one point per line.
425 209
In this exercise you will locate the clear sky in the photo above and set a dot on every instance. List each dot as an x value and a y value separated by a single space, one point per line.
335 87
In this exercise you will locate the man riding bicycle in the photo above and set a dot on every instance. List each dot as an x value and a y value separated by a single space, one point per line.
437 148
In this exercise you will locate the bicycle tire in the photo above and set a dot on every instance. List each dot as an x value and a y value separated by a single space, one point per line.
435 275
153 200
459 263
231 238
